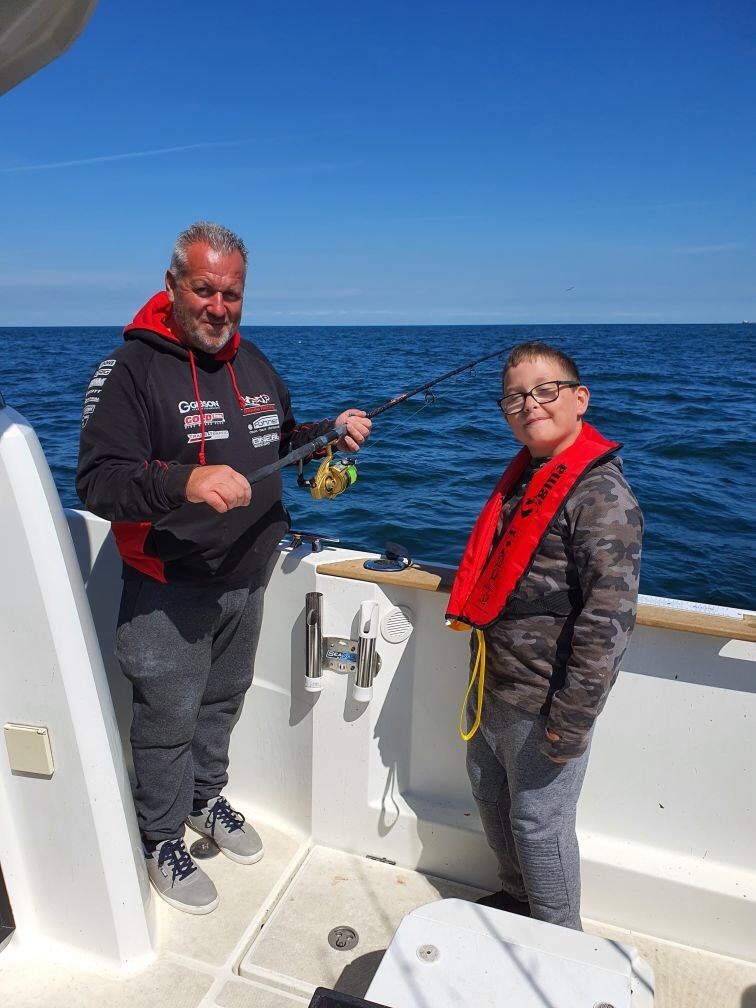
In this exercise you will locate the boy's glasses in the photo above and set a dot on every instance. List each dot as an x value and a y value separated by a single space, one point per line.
547 392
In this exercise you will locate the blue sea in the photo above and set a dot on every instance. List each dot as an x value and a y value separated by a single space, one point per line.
681 398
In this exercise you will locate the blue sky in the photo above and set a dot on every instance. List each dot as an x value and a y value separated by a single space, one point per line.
393 163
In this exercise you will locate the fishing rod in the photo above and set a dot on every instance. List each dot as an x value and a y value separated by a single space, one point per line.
334 477
436 381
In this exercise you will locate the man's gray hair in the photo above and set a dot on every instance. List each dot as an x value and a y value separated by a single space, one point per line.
216 236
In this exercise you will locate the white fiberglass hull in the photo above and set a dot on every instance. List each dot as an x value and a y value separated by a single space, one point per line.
666 818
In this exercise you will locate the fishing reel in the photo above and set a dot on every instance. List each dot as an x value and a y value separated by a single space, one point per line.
333 477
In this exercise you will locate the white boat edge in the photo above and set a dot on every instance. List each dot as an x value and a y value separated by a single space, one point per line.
666 817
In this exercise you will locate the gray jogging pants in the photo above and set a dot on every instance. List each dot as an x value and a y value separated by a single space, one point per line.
189 654
528 807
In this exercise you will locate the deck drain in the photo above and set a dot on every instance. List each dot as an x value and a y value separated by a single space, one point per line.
204 849
343 938
427 953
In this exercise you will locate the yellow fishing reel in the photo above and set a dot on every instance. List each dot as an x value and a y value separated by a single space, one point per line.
333 477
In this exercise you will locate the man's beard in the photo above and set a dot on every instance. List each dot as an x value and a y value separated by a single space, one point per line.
196 337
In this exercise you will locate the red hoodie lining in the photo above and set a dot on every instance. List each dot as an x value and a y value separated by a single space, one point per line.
157 316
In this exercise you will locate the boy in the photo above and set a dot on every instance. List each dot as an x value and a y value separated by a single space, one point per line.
549 579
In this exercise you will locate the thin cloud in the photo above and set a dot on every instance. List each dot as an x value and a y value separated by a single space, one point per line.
307 167
70 279
330 312
111 157
635 314
282 295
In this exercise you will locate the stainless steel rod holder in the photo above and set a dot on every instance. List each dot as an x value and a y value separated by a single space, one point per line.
366 658
313 642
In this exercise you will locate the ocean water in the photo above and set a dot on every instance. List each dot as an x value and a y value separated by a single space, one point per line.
681 398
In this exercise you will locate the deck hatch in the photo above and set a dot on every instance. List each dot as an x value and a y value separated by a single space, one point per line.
343 938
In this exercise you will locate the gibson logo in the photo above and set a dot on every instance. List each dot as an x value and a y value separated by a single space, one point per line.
184 406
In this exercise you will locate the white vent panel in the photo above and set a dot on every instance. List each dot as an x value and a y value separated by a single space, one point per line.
397 624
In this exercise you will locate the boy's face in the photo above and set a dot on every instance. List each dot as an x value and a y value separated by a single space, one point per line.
545 428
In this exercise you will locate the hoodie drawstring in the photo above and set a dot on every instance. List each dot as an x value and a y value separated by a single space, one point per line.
199 407
239 396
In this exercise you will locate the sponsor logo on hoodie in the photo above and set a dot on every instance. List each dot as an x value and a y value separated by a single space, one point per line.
257 404
207 404
195 420
92 395
264 422
211 435
266 439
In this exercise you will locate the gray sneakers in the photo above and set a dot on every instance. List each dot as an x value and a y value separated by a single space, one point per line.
178 880
228 828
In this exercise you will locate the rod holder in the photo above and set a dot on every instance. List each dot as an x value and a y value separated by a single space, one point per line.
368 632
313 642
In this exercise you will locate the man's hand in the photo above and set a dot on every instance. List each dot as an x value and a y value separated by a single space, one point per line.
553 737
358 429
220 486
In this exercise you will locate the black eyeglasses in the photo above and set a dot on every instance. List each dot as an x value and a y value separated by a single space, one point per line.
547 392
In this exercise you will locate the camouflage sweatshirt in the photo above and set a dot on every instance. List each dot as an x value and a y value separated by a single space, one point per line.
563 666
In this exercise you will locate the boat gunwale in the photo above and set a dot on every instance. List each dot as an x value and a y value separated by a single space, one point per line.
683 616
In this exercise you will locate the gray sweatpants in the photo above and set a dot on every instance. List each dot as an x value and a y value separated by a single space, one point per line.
189 653
528 806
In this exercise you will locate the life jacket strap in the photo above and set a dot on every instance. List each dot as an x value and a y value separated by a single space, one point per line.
479 673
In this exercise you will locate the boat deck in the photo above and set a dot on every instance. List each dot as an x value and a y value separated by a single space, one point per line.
266 945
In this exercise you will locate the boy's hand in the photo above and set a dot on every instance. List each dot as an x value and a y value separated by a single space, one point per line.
553 737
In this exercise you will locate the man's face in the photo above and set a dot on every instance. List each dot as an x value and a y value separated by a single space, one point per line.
207 298
545 428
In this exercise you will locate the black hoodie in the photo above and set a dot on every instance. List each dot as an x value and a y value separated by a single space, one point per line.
153 411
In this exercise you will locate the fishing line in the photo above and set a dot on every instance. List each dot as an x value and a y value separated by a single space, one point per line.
429 400
334 477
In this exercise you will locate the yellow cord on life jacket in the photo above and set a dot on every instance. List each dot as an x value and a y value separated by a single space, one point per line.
479 673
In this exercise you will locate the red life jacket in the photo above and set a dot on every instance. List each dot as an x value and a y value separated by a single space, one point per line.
486 580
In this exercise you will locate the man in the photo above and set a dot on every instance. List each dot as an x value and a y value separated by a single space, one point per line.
172 421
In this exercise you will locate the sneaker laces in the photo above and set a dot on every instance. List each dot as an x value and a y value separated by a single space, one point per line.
182 864
230 819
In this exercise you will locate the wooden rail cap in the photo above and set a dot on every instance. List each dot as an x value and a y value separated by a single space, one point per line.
439 579
415 576
689 621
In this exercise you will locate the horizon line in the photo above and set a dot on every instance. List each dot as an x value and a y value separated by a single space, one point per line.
395 325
